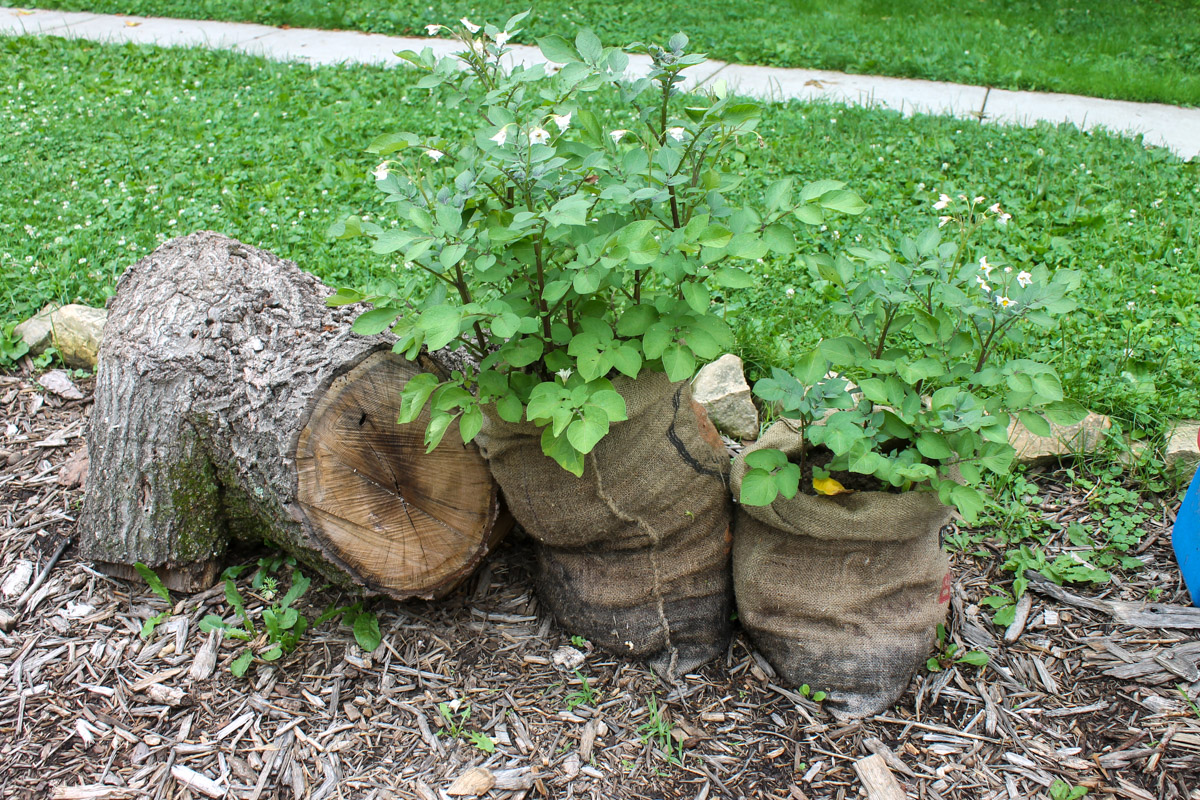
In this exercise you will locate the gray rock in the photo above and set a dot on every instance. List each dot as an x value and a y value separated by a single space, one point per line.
1064 441
1182 451
77 334
722 389
37 330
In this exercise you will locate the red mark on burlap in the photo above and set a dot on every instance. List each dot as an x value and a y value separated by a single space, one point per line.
944 597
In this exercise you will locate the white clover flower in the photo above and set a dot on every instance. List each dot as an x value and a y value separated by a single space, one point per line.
790 292
1008 270
1005 302
563 121
473 28
943 202
675 133
501 137
1024 279
617 134
943 220
1131 305
985 266
436 155
539 136
563 374
502 38
381 171
430 30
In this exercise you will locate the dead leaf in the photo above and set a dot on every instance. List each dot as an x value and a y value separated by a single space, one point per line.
56 381
829 486
472 783
74 469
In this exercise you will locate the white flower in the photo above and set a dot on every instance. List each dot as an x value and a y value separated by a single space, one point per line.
563 374
994 208
1008 270
675 133
430 30
502 38
790 292
1004 302
1024 278
985 266
381 171
943 220
617 134
501 137
978 200
943 202
1003 218
434 154
539 136
982 283
1131 305
563 121
469 25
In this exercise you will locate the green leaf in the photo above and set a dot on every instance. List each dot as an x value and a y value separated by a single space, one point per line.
780 239
758 488
933 445
149 625
557 49
510 409
242 663
678 362
523 352
1034 423
470 423
816 189
415 394
1065 412
585 433
589 46
612 404
300 584
377 320
366 632
441 325
1047 387
627 360
844 200
696 296
153 581
715 236
768 459
636 320
439 423
732 278
452 254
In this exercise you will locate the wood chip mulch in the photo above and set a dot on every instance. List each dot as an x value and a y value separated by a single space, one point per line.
1075 689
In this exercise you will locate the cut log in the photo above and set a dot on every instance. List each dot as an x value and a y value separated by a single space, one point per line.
230 402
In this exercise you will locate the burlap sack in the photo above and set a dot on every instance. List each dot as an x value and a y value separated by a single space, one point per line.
633 556
843 593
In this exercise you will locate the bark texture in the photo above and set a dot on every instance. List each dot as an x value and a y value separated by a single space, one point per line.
231 402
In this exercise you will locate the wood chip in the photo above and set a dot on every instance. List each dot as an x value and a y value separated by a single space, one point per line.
472 783
877 779
196 781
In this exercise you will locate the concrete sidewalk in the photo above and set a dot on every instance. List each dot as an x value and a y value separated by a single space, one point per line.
1163 125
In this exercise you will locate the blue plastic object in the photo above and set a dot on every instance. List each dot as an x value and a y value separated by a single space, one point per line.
1185 538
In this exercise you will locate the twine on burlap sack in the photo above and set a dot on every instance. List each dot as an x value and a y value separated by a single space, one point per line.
634 556
843 593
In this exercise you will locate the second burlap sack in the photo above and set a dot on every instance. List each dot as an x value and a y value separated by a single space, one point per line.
843 593
633 556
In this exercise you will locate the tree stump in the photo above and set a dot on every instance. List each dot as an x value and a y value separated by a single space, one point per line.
230 402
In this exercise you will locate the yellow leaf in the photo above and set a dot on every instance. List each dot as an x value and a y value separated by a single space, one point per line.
829 486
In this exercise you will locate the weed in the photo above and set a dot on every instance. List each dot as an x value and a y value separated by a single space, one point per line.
579 642
454 717
156 585
816 697
1061 790
283 625
584 696
948 654
656 731
12 347
1188 699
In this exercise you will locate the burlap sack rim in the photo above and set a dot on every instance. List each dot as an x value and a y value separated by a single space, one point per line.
853 516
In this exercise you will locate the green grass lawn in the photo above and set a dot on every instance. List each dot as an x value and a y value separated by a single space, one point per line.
111 150
1128 49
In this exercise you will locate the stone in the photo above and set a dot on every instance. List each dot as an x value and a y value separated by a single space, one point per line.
722 389
77 334
37 331
1064 441
1183 451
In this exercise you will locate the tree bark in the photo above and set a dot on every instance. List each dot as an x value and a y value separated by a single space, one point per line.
231 402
